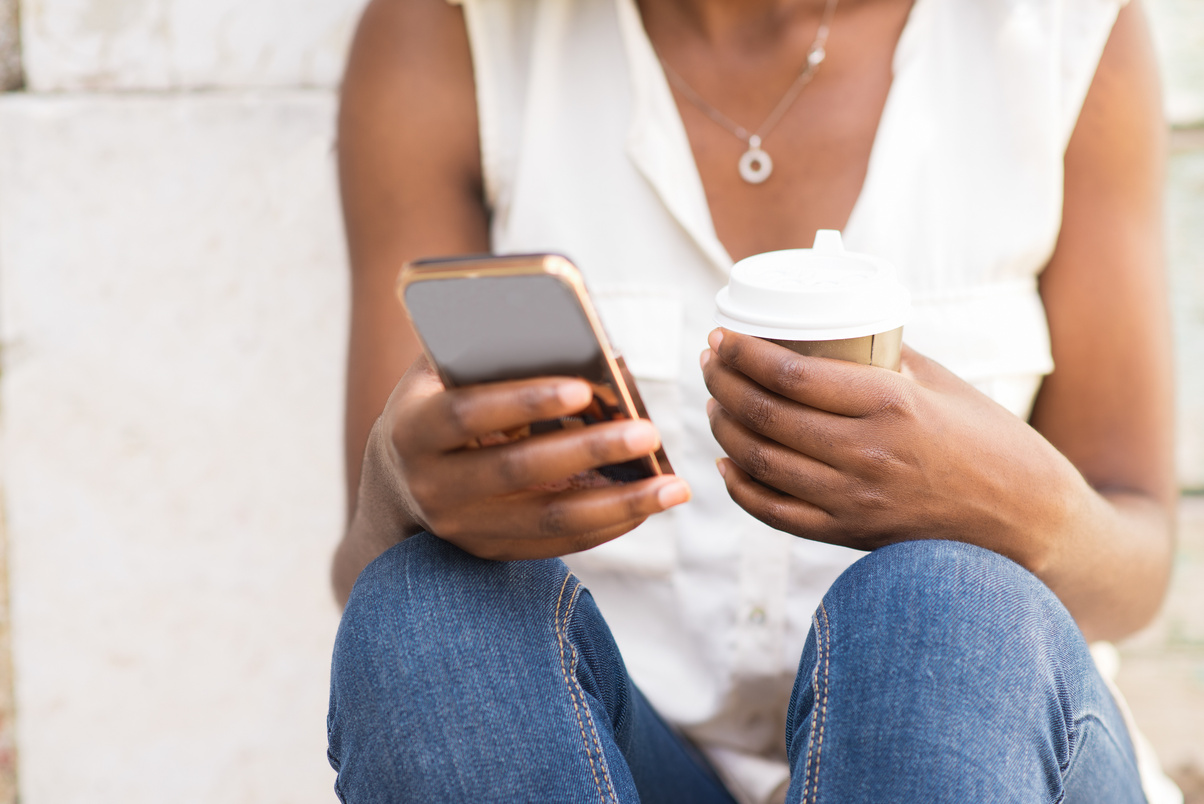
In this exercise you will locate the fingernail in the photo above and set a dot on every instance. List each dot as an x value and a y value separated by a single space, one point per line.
711 405
574 394
673 493
641 436
721 465
704 358
715 338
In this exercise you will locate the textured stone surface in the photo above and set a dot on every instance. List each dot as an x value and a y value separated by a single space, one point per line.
173 324
1179 33
1162 672
8 726
11 75
163 44
138 44
1185 233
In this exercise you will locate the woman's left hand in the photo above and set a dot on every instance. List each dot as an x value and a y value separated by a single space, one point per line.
862 456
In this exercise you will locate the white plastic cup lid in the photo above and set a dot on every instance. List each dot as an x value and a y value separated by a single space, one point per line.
823 293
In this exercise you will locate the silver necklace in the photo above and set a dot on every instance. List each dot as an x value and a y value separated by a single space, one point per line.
755 165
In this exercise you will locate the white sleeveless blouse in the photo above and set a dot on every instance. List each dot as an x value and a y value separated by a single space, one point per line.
584 154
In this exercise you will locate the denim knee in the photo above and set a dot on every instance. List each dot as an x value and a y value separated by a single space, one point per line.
954 585
954 607
425 583
444 663
424 609
942 648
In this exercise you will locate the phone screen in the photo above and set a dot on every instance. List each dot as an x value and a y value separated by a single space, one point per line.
490 328
483 329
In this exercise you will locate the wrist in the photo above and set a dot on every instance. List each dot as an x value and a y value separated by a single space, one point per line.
379 519
1067 501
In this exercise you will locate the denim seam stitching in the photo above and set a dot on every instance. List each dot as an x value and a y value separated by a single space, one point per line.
815 711
560 639
589 715
822 716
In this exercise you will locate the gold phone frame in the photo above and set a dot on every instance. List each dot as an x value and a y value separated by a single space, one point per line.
469 267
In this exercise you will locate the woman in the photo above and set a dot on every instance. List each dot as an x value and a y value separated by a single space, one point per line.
1006 156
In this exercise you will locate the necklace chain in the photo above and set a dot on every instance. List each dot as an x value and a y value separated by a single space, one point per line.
755 165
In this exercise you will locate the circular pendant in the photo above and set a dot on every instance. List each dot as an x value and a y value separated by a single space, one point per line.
755 165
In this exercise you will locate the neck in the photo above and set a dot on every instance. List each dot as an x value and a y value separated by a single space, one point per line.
720 21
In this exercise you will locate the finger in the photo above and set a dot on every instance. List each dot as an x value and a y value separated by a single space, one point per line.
780 511
805 429
545 524
547 458
452 419
777 466
837 386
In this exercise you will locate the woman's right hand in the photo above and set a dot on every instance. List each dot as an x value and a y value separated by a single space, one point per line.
487 500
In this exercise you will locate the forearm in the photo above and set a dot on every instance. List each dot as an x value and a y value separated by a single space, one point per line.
1111 564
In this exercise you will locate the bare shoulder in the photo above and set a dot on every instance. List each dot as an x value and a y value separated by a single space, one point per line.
1121 121
408 92
412 45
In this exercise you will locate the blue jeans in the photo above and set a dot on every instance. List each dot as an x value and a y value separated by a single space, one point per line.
934 672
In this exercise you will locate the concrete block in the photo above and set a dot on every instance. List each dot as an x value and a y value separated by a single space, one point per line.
173 320
1185 233
165 44
1178 27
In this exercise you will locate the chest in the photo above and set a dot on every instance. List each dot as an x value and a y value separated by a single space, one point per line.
821 145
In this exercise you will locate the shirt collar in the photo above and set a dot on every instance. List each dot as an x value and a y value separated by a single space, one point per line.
657 143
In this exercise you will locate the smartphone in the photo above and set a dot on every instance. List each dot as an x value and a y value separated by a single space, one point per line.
488 318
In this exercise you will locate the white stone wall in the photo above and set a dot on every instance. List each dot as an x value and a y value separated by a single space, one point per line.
1178 27
1185 229
172 317
184 44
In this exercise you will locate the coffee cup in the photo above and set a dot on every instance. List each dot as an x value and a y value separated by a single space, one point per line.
822 302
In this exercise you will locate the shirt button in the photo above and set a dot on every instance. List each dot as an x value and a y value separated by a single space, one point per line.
757 616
